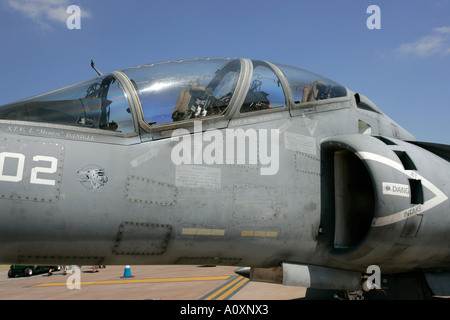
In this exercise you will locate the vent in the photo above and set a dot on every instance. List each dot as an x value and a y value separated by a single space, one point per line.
364 103
416 191
415 186
386 141
364 128
408 164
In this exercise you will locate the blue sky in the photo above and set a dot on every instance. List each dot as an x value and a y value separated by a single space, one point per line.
404 67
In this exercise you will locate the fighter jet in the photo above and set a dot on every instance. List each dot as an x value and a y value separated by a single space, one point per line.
283 173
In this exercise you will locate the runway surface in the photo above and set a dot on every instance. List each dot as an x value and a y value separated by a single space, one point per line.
144 283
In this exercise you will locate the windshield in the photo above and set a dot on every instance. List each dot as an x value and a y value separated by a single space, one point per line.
307 86
187 89
265 90
97 103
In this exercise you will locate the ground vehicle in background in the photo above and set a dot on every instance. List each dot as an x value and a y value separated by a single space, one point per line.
27 271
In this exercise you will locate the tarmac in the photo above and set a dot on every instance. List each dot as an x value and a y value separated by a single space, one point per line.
143 283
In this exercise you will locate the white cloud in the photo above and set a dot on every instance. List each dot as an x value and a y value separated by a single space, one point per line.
443 30
438 42
44 11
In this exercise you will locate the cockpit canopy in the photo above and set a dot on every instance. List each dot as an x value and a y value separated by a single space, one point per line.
97 103
169 92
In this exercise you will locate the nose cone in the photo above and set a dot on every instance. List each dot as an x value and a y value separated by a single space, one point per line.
244 271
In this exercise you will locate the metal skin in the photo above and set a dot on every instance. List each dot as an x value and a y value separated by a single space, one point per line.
343 197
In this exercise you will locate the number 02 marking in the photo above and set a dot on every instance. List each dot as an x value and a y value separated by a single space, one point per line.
17 177
34 171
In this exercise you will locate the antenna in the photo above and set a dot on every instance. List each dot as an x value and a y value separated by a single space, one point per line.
96 70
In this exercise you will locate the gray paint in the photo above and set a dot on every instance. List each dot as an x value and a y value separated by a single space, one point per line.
138 207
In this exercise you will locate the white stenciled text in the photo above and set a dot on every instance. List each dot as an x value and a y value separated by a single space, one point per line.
16 175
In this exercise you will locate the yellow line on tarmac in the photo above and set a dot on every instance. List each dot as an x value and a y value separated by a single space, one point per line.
235 288
235 284
56 284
